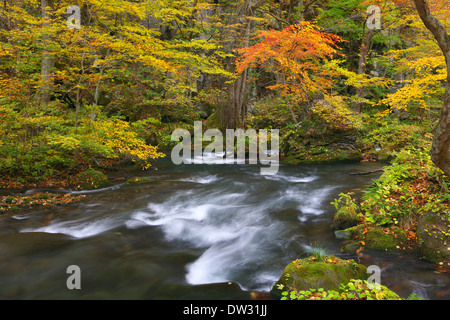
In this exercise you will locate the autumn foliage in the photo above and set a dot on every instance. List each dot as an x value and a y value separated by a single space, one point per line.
297 54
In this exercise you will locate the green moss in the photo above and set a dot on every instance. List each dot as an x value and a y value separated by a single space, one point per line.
138 180
213 121
347 212
89 179
389 239
327 273
433 233
350 246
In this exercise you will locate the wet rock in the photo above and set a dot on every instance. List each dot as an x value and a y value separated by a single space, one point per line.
392 239
349 246
138 180
343 234
388 239
433 234
345 217
89 179
335 146
327 273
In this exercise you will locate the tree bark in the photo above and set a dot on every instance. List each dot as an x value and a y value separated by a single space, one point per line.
362 67
232 113
440 150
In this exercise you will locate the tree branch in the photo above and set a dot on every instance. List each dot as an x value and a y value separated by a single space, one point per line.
434 25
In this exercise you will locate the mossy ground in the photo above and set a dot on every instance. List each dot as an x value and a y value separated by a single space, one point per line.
89 179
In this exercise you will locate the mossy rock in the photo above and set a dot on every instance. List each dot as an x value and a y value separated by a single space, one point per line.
433 234
345 218
332 146
390 239
213 121
327 273
137 181
89 180
350 246
350 233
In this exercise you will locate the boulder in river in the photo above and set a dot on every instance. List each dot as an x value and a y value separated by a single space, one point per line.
89 179
138 180
433 234
326 272
388 239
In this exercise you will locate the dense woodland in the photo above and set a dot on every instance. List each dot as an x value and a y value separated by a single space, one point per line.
115 82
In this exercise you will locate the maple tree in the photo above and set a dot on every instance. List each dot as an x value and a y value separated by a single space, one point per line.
294 54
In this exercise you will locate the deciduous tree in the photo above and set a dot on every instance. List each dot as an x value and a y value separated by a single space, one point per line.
440 152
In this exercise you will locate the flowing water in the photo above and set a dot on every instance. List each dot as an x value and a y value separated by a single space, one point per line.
200 232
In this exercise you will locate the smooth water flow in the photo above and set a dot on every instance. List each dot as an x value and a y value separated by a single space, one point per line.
200 232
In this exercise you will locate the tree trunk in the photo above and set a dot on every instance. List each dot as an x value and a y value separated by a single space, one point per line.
440 150
362 67
232 113
48 62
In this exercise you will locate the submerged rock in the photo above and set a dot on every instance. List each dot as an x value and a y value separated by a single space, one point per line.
138 180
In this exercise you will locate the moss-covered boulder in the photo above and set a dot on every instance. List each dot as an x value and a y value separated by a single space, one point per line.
327 272
350 246
138 181
89 179
347 212
337 146
433 235
388 239
374 237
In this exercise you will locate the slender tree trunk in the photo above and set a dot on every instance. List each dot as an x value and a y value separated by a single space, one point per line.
48 61
362 67
440 151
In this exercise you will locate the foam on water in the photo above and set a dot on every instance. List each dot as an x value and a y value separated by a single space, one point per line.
77 229
237 230
203 180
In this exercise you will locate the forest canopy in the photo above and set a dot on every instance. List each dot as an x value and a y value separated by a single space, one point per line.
95 82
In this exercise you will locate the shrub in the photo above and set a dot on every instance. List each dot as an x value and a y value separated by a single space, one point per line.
411 186
347 212
353 290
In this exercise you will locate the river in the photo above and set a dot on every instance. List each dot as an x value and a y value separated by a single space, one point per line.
200 232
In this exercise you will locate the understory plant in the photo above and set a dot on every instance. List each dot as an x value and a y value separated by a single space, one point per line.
353 290
411 186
